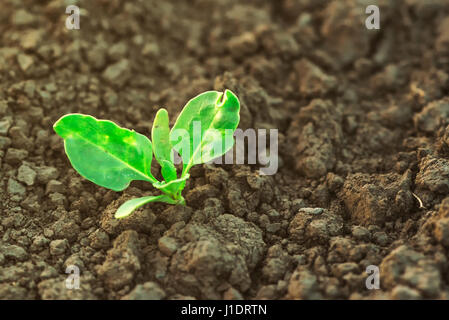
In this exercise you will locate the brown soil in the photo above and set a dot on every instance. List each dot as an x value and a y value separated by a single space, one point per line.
364 132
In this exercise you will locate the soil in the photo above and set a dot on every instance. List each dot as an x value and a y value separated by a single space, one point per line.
363 119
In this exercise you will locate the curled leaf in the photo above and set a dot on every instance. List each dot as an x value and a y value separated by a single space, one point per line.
161 145
129 206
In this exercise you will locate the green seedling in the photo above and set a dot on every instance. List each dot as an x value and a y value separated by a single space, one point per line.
112 157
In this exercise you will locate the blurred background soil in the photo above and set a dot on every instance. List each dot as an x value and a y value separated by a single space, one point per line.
363 119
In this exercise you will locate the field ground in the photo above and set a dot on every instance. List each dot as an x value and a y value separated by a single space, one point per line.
363 119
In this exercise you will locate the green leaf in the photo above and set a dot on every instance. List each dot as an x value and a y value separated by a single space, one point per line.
204 130
172 186
104 153
161 145
129 206
162 151
168 170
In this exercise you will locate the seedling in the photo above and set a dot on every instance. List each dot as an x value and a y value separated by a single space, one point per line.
112 157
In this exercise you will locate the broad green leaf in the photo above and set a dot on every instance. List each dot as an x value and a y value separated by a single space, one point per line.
129 206
104 153
204 129
161 145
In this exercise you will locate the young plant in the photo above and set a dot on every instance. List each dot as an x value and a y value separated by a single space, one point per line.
112 157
